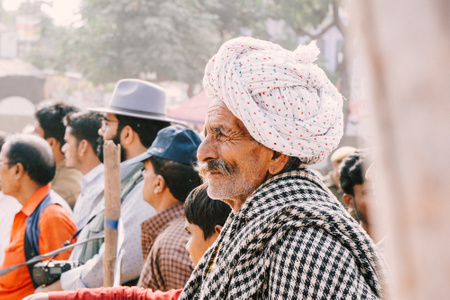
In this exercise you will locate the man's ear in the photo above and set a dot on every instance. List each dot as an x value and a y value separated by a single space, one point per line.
277 162
53 143
127 135
348 199
217 229
159 184
19 170
83 147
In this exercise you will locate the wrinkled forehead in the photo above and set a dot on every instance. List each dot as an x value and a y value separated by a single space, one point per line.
219 116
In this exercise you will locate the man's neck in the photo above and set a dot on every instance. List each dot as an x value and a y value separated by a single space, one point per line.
26 191
134 150
87 165
164 202
58 155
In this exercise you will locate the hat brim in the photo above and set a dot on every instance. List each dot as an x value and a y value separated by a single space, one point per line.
135 114
142 157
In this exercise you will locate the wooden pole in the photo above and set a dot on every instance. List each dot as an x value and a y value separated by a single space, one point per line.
407 46
111 159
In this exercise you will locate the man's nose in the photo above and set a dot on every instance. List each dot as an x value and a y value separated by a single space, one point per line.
207 150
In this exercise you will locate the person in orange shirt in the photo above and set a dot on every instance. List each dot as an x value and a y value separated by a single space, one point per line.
43 224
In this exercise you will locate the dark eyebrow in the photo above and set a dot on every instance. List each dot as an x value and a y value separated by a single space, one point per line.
217 129
214 129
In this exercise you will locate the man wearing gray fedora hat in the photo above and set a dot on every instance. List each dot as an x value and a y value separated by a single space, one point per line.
133 118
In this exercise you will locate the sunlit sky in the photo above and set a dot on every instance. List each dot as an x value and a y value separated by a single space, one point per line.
63 12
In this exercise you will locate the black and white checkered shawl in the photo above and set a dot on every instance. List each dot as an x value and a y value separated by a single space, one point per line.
290 240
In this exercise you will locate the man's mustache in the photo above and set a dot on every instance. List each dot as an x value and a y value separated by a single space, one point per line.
215 166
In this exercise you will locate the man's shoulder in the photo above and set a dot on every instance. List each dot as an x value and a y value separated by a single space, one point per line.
173 236
65 173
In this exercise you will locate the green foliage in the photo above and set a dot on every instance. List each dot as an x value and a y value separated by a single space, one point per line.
169 39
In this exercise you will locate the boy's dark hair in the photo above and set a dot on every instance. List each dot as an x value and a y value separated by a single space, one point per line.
206 213
180 178
50 117
34 154
85 126
145 128
351 171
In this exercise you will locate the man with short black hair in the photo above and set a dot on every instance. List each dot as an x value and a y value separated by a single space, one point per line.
43 224
49 126
357 189
81 141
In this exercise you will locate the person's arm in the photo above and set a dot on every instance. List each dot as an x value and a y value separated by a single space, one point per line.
88 275
120 292
133 212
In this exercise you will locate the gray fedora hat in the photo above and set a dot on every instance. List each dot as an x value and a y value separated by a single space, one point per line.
139 99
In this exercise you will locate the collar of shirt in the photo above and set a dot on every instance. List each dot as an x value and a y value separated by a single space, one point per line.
35 199
126 168
92 175
152 227
60 164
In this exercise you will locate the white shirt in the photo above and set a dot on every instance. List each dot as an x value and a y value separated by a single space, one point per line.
9 207
133 211
91 195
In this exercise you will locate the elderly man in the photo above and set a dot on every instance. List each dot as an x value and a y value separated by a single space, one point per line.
273 112
43 223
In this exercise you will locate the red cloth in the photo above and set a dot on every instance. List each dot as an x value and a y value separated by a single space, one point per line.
119 292
56 226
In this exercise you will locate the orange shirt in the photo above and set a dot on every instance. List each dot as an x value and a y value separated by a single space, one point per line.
56 226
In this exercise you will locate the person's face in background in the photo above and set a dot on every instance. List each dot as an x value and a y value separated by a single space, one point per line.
7 172
363 195
110 131
70 149
197 244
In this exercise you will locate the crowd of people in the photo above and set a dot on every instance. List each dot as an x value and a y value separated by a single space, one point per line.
234 212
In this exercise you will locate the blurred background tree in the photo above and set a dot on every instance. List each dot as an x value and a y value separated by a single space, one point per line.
163 40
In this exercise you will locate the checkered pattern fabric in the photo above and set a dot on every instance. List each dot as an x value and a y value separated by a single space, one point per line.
167 264
290 240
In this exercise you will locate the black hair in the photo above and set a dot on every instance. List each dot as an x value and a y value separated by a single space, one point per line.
179 178
34 154
85 126
292 164
206 213
145 128
351 171
50 117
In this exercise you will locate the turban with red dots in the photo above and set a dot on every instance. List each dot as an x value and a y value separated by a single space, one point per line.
286 102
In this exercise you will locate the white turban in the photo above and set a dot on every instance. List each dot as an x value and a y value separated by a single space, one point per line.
284 100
